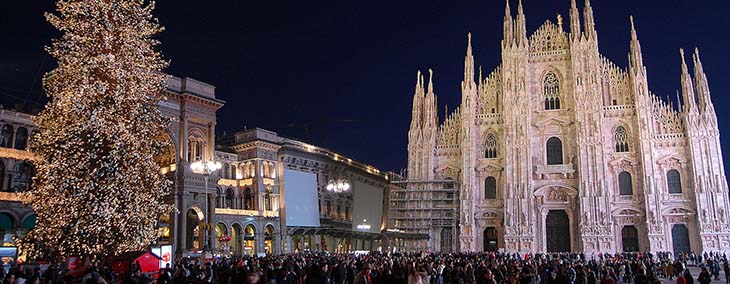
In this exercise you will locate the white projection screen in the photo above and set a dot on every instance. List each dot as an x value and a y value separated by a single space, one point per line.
368 206
301 199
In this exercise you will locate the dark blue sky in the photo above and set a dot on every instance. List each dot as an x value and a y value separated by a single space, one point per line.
346 69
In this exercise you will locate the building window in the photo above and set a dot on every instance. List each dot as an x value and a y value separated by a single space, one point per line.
23 173
248 199
624 184
21 138
490 188
674 182
622 139
198 151
265 169
6 136
225 171
490 149
190 150
229 198
449 183
2 176
218 198
554 148
551 86
267 200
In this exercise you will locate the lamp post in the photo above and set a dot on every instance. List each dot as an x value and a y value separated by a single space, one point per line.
205 168
338 186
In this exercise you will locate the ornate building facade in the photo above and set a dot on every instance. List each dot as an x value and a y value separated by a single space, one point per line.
559 149
243 203
16 172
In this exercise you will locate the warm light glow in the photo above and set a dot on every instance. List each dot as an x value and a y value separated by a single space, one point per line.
205 168
340 185
98 190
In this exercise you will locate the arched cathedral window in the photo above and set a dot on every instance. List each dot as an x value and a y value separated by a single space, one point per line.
551 86
490 188
554 149
622 139
490 149
624 184
674 182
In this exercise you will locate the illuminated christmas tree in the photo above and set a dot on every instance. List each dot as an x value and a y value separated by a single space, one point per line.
98 190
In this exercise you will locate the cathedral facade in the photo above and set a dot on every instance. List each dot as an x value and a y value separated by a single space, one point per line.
558 149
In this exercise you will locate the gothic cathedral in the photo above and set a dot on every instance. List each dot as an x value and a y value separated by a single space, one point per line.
558 149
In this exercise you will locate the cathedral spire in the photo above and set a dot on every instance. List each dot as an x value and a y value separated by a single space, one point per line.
701 86
468 63
636 57
431 111
520 26
688 93
430 81
508 25
590 25
574 20
417 114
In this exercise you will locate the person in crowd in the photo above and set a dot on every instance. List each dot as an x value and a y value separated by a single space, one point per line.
688 277
704 277
364 276
405 268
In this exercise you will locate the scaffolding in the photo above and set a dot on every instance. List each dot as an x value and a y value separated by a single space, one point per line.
426 208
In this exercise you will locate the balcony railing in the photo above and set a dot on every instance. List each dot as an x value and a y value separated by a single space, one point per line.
676 196
625 198
566 170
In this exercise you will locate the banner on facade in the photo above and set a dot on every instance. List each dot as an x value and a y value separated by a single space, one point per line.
302 208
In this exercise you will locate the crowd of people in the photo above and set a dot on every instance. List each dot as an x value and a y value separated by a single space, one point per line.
407 268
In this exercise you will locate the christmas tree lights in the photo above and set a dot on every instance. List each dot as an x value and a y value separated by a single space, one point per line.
98 191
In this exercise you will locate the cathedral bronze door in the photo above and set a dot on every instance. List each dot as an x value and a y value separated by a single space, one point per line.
557 231
680 239
491 240
630 239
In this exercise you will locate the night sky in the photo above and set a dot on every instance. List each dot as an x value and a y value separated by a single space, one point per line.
340 74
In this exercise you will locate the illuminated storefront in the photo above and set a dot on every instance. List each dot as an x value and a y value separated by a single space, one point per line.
249 240
269 239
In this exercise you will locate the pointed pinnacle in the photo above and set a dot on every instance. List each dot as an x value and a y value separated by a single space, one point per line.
633 29
697 55
631 19
573 5
519 8
507 10
588 3
430 81
468 40
684 64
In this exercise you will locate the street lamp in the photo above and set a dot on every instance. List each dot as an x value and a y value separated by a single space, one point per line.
206 168
338 186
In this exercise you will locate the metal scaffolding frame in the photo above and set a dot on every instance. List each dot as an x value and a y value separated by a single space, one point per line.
426 207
